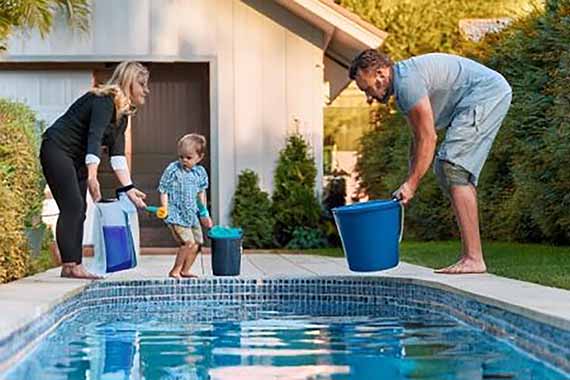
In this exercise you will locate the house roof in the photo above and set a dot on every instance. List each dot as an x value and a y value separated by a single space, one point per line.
475 29
346 34
351 16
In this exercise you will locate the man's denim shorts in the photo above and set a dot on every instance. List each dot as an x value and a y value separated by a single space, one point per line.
449 174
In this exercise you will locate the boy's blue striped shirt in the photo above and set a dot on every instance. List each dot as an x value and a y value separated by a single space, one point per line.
182 186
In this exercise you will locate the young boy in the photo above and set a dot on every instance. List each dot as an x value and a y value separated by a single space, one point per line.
182 191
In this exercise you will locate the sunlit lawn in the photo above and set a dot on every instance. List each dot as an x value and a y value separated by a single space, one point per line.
541 264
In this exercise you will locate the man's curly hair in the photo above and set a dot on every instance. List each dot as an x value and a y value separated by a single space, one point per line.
368 59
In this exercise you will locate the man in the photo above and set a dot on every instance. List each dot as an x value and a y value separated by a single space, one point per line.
441 91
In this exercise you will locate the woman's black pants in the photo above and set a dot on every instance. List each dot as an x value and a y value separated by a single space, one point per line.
67 180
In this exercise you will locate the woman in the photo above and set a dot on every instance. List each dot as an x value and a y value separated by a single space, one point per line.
71 151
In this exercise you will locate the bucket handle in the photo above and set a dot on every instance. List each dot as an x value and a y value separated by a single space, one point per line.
401 218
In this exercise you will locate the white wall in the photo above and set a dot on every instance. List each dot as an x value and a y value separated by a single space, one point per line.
266 71
48 92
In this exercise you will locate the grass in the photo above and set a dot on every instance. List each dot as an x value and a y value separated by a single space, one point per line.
541 264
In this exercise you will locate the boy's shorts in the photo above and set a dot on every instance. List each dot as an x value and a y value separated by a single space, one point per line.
187 235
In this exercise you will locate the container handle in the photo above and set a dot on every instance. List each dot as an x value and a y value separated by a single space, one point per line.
401 218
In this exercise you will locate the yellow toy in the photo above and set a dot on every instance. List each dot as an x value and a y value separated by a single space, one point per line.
160 212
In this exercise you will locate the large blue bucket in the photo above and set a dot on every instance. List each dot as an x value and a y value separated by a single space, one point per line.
370 233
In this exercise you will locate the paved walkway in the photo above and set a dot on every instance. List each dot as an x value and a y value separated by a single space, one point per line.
24 300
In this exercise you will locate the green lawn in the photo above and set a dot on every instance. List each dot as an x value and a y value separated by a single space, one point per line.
541 264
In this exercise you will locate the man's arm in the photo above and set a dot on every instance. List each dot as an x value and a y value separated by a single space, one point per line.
411 154
420 119
424 139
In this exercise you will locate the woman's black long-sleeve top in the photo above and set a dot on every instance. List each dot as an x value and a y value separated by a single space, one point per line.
88 124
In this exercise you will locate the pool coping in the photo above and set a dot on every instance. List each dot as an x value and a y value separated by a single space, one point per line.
27 299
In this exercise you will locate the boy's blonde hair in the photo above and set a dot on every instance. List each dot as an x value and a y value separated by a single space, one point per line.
190 140
119 86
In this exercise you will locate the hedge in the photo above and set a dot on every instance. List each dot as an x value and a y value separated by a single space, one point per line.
21 187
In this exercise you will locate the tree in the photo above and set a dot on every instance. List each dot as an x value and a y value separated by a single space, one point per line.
417 27
294 201
252 212
39 14
527 182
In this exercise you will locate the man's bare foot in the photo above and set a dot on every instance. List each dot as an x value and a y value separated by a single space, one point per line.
175 273
188 275
464 266
77 271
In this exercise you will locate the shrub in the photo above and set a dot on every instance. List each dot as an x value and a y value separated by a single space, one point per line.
21 186
423 26
307 238
294 201
526 181
334 196
335 192
252 212
44 260
13 257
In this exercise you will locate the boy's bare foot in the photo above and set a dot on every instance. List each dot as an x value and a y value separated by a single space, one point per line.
188 275
465 265
175 273
77 271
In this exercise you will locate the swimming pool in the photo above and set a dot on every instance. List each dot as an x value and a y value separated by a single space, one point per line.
313 328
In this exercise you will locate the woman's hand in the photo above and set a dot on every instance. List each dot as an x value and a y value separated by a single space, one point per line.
137 197
94 188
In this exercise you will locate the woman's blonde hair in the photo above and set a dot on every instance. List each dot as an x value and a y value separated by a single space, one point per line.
119 86
192 140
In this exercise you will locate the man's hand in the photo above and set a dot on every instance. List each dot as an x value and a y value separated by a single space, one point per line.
137 197
405 193
94 188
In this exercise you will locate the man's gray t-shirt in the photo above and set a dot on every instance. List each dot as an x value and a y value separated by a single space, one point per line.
452 84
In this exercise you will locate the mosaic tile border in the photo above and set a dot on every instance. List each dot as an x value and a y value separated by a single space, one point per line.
546 342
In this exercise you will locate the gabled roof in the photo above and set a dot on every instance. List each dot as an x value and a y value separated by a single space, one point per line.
346 33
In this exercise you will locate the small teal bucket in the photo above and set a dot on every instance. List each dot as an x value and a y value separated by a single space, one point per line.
371 233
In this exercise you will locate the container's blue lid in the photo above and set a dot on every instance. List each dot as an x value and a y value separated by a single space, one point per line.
222 232
380 204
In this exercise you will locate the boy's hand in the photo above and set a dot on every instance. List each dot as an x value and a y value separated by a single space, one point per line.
207 222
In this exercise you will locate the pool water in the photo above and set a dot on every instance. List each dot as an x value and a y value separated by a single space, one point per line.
271 341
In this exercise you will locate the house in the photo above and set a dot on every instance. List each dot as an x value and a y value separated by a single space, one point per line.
347 119
245 73
475 29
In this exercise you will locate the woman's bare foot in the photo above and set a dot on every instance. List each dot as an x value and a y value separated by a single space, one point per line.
188 275
465 265
77 271
175 273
